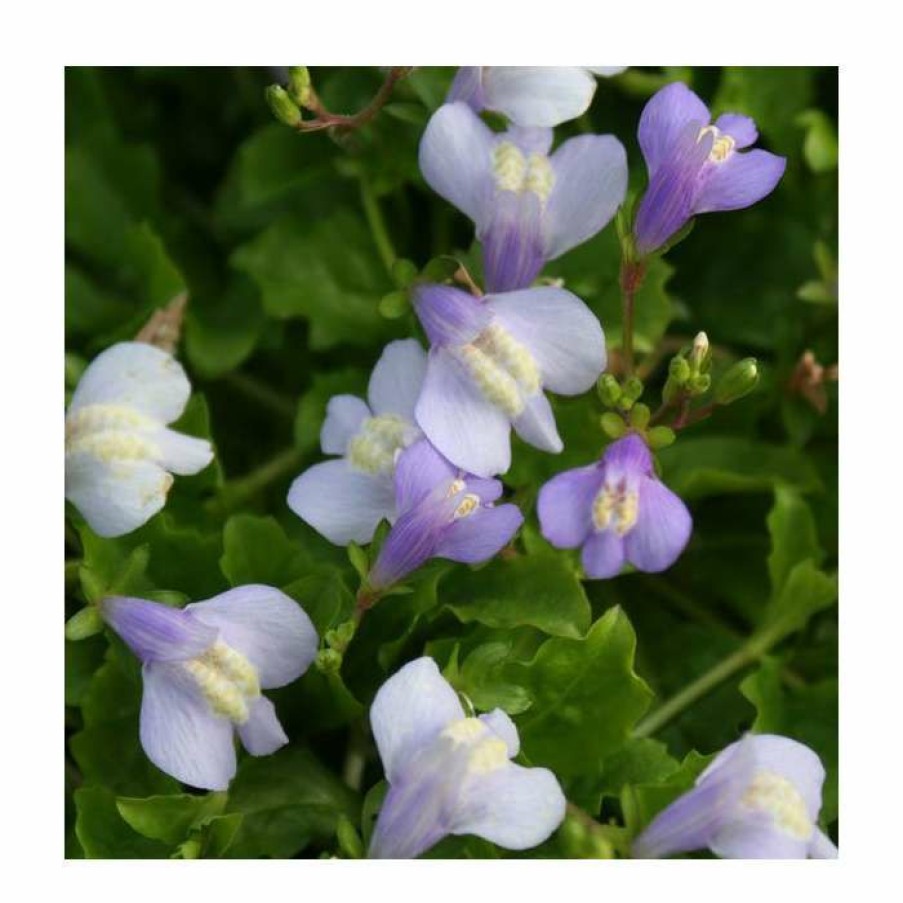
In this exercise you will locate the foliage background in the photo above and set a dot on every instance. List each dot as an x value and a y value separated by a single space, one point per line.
180 179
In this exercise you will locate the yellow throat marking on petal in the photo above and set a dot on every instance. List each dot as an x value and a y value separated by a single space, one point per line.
111 432
468 505
615 507
486 751
227 680
773 793
379 439
515 172
722 145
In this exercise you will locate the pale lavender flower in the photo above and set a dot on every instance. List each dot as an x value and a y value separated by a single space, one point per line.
489 363
696 166
529 95
759 799
442 513
452 774
617 510
345 499
203 668
120 454
528 206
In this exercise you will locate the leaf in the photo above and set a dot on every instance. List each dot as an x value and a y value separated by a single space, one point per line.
793 536
586 697
169 819
482 678
695 468
288 800
806 591
326 271
820 142
539 590
256 550
103 834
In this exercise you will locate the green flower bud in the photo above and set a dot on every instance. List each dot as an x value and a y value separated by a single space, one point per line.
639 416
700 354
345 632
394 305
404 272
613 425
671 390
282 106
660 437
83 624
699 384
632 388
740 380
328 661
299 86
679 370
608 390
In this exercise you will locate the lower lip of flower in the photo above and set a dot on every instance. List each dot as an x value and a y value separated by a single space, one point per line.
227 680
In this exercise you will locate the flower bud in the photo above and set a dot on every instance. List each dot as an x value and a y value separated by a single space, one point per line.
394 305
632 388
740 380
679 370
608 389
639 416
660 437
282 106
299 86
699 384
613 425
700 354
328 661
404 272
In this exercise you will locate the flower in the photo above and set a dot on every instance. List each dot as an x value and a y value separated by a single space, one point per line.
759 799
529 95
617 510
119 452
695 166
489 363
452 774
203 668
528 206
345 499
443 513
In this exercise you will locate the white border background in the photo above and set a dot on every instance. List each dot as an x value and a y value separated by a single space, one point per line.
39 41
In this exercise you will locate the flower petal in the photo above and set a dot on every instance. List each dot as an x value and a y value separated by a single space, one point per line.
342 503
664 119
262 733
530 139
513 245
794 761
538 95
344 416
500 723
821 846
603 555
266 626
590 184
513 806
662 528
536 424
156 632
180 733
565 506
448 315
755 838
741 128
135 375
409 711
397 377
560 332
419 470
479 536
606 71
740 181
456 159
466 428
115 496
182 454
467 87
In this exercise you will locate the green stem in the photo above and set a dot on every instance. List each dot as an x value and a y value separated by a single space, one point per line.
234 492
632 273
263 394
377 225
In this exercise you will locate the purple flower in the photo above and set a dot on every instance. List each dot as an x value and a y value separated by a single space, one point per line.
120 454
203 668
443 513
489 363
759 799
345 499
529 95
528 207
452 774
695 166
617 510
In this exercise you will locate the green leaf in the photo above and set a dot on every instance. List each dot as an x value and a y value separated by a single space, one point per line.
169 819
256 550
83 624
326 271
288 800
793 536
695 468
482 678
539 590
586 697
806 591
102 832
820 143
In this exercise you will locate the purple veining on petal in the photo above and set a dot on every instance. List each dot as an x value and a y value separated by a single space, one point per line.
513 252
449 316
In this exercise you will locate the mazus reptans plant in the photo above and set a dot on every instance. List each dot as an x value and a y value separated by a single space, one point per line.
615 511
120 452
695 165
528 206
443 512
759 799
449 773
345 499
203 669
490 361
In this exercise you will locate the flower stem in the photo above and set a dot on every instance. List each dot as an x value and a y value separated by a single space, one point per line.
377 225
261 393
234 492
632 274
